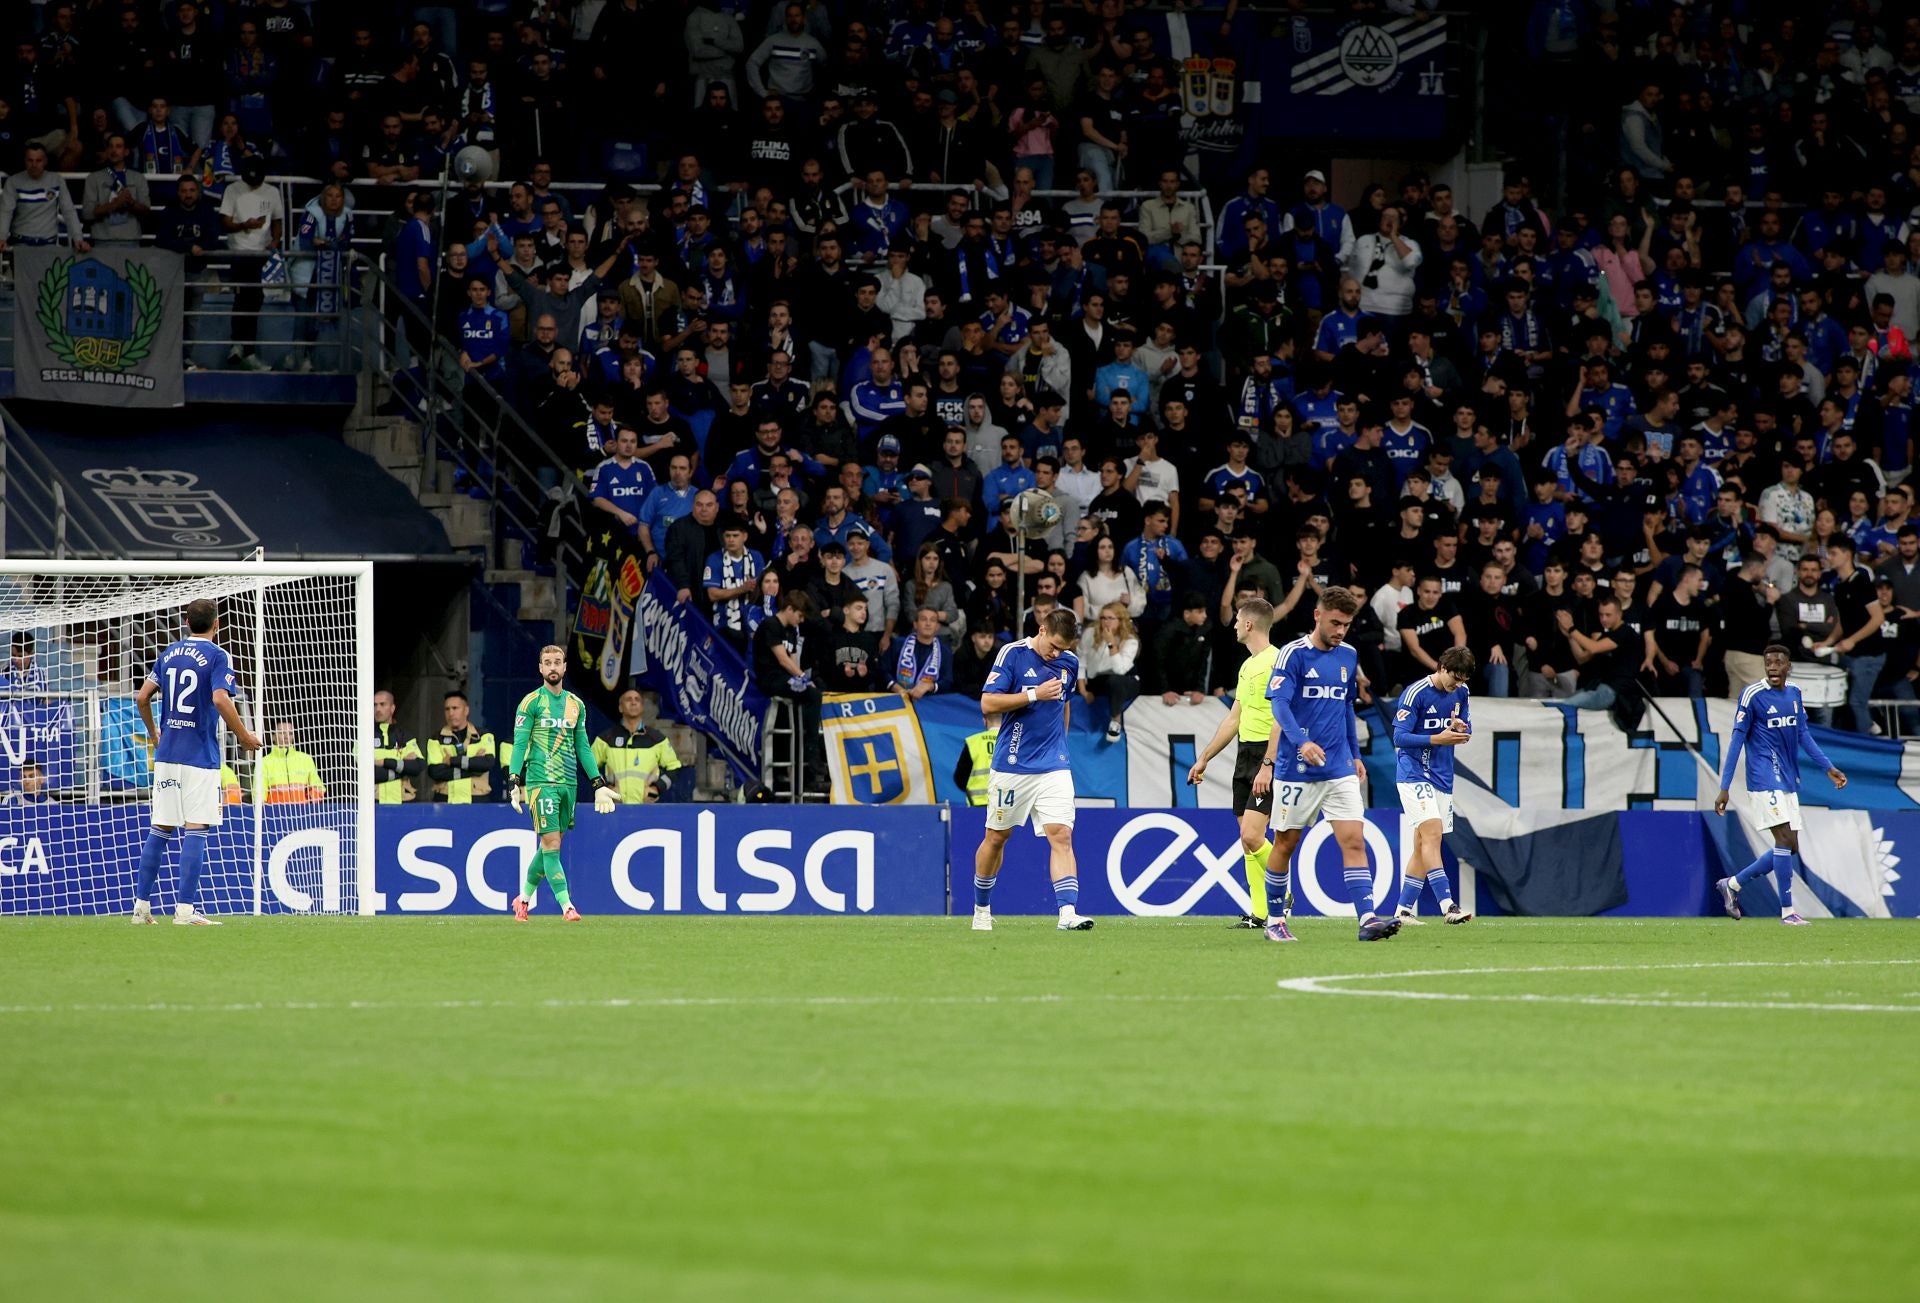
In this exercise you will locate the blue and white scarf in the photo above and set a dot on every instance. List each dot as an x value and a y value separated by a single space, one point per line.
909 670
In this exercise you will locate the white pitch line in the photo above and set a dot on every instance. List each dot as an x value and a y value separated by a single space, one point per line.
622 1002
1322 986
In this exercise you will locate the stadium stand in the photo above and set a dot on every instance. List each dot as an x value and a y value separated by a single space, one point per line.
868 273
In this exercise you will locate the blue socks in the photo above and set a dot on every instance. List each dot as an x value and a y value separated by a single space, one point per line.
1410 889
151 857
983 891
193 857
1783 877
1777 860
1278 885
1442 887
1762 865
1066 892
1360 891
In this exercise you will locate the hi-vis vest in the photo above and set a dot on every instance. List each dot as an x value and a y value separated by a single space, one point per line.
229 786
980 755
392 747
460 791
630 760
290 777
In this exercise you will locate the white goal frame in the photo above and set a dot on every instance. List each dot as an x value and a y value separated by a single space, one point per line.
253 668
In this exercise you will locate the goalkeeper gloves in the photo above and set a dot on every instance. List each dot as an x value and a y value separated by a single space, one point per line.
603 798
513 792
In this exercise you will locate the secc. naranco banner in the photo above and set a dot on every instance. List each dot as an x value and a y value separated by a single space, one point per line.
101 327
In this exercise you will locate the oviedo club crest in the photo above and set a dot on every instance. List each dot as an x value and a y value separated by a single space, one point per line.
95 318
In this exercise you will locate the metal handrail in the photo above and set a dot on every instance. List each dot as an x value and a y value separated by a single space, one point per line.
57 518
512 483
199 291
296 190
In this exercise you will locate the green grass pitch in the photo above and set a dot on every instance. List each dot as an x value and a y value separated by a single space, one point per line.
872 1109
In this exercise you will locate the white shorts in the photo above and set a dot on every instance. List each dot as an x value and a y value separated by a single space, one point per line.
184 795
1771 809
1424 801
1298 803
1012 799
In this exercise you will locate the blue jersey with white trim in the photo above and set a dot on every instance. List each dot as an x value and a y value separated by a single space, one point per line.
1312 696
1423 711
1771 725
188 674
1033 737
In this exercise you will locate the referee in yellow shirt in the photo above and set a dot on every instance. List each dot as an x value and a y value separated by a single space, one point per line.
1251 720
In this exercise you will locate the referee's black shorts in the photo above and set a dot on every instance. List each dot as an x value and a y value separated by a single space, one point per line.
1246 765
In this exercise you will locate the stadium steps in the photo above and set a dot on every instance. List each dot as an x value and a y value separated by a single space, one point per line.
465 519
532 597
393 442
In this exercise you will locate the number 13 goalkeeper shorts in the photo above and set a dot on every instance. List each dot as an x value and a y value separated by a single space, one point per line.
552 808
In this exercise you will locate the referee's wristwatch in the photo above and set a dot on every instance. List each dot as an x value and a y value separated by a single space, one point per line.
1266 764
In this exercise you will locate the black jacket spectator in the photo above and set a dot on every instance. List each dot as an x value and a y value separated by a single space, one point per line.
689 544
1182 658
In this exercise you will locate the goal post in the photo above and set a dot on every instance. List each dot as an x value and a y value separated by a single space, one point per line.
79 637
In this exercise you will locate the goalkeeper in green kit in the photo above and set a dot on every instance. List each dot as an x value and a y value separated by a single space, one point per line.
549 739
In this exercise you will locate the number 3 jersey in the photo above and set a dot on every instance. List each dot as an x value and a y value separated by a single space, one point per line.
1771 726
1312 695
1423 711
188 674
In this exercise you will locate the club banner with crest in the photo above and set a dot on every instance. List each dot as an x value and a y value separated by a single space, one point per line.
1383 75
101 327
875 750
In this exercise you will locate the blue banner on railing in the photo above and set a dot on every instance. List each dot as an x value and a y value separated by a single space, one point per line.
1375 76
705 682
671 859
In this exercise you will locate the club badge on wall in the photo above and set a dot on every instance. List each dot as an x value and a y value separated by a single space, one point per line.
1210 98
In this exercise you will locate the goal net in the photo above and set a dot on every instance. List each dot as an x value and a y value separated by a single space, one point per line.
296 833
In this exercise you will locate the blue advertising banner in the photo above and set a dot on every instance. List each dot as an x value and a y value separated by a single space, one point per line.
41 733
671 859
59 858
1173 863
1373 77
698 674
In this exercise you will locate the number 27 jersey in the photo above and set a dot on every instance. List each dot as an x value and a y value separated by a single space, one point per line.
1313 689
188 674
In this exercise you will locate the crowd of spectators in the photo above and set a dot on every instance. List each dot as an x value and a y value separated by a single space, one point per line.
1618 428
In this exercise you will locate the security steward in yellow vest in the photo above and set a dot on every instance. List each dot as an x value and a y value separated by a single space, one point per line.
634 757
461 758
230 793
970 771
397 762
288 774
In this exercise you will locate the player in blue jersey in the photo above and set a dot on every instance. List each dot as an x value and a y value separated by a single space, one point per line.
1031 777
1318 769
194 680
1431 721
1770 725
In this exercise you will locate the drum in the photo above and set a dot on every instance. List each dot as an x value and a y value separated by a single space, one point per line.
1820 685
